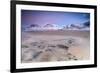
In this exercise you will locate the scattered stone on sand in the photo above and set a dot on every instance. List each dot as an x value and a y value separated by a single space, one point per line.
53 48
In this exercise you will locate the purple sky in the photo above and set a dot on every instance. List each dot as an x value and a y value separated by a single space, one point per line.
60 19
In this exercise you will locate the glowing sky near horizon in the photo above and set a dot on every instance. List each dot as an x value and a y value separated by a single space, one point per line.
59 19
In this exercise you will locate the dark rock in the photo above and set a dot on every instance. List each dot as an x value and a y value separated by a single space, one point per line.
37 54
75 59
34 43
48 50
52 46
24 46
63 46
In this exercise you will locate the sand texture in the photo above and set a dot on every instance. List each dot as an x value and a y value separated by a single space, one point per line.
45 46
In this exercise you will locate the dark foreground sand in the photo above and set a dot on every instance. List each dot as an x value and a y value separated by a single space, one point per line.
45 46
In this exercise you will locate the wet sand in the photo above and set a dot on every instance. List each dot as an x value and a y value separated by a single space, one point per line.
45 46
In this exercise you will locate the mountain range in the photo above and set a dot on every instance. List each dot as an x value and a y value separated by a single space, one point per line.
36 27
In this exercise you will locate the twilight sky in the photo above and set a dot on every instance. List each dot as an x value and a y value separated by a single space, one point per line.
59 19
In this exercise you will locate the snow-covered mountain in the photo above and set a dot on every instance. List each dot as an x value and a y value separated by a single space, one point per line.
32 27
83 26
36 27
50 27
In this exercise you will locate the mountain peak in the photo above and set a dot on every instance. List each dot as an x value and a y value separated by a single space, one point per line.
49 25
